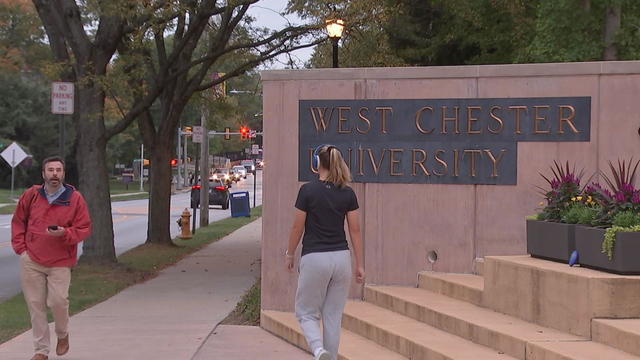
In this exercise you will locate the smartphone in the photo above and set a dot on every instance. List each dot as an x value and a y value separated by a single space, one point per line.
52 227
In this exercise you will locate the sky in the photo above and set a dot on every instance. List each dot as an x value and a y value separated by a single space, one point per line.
267 14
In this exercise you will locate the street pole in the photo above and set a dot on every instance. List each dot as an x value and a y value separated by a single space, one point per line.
334 41
184 163
204 165
141 167
61 130
179 159
13 169
194 207
255 173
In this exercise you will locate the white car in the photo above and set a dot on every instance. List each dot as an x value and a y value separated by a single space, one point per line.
240 170
248 164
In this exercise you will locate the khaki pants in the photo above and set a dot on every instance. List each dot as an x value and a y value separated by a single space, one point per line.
45 286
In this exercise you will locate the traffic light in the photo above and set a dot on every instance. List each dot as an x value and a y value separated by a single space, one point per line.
244 132
173 162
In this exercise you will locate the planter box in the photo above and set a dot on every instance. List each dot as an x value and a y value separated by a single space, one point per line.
626 251
550 240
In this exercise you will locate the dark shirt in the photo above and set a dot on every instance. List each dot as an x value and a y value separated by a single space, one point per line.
326 206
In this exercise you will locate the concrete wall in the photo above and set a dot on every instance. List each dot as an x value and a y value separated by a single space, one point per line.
403 222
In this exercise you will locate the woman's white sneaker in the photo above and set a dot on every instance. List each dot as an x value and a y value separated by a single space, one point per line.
322 355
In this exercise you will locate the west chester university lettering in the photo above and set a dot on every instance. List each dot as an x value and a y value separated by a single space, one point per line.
445 141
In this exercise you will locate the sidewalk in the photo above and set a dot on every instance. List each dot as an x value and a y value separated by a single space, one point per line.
174 316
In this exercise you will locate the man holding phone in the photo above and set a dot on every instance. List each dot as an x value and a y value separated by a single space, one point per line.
49 221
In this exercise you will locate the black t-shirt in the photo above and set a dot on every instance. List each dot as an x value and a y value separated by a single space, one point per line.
326 206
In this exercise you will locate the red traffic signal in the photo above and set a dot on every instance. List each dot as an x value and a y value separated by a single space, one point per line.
244 132
173 162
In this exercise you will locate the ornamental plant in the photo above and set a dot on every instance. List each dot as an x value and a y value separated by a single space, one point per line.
583 210
564 186
622 203
619 195
624 195
623 221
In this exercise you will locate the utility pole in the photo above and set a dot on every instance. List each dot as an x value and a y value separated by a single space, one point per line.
184 163
141 167
179 159
204 165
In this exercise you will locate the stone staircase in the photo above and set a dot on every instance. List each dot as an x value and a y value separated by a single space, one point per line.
523 308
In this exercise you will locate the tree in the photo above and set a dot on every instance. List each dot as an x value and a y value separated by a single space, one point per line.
24 95
229 43
84 37
584 30
364 42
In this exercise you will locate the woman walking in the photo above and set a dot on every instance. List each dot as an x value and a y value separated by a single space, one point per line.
325 266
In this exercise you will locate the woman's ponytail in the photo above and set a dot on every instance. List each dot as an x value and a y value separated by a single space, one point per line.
331 159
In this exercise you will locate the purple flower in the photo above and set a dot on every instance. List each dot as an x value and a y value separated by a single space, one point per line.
620 196
636 197
627 188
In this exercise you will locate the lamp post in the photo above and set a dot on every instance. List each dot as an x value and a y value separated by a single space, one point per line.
334 29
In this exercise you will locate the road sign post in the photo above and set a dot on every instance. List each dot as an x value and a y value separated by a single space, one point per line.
198 133
62 102
13 155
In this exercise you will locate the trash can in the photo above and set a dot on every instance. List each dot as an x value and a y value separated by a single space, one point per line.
240 204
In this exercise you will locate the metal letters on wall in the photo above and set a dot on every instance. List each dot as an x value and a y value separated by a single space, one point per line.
437 141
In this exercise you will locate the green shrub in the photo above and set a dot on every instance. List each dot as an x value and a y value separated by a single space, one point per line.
588 215
610 238
626 219
580 213
572 215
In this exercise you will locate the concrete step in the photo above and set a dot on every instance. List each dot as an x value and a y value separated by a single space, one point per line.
466 287
479 325
478 266
411 338
623 334
555 295
575 350
352 346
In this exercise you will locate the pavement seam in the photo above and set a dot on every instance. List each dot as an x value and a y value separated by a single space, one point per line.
206 339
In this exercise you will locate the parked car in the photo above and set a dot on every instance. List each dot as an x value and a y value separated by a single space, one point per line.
218 194
240 170
248 164
224 175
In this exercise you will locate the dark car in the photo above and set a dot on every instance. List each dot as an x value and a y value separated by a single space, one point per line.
218 194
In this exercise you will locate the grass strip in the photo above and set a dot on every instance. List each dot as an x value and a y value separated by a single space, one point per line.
247 311
118 187
130 197
5 195
92 284
7 209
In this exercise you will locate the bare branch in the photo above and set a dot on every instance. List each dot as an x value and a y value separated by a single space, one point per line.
254 62
211 57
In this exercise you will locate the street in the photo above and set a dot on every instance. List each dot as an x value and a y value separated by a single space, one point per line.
130 229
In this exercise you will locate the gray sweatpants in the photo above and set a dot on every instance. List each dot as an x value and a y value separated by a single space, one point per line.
323 287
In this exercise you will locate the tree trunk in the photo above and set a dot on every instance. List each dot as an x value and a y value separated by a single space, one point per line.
94 182
158 231
612 24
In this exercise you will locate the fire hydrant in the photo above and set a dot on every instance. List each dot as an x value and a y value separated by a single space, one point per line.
184 222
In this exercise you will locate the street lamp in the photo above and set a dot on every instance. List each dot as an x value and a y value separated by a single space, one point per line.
334 29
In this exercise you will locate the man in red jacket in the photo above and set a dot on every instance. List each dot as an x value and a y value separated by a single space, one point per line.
49 221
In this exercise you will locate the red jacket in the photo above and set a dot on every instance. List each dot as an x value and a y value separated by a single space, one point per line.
69 210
